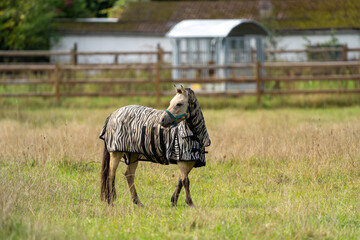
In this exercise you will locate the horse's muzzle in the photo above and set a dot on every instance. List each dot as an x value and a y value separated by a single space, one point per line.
166 121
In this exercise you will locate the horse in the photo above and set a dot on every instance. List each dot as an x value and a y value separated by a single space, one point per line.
136 133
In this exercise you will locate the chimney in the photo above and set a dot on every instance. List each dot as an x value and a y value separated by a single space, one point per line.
265 8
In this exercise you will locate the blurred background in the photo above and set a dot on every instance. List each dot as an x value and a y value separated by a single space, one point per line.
261 48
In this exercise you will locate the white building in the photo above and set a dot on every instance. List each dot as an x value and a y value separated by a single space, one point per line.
297 40
143 25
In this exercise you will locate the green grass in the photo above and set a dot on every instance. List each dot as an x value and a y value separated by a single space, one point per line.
271 174
235 200
246 102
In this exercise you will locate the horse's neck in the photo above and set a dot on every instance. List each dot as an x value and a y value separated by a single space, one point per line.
197 124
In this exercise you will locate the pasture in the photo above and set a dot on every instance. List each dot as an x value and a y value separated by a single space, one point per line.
271 174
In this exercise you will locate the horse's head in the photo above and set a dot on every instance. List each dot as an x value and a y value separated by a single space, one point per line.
186 106
178 109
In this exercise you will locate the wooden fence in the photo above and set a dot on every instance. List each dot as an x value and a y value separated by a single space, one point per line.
64 76
74 54
344 50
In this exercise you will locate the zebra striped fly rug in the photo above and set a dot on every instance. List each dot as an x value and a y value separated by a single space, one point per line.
137 129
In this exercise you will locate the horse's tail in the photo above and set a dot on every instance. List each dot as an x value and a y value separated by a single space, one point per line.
105 190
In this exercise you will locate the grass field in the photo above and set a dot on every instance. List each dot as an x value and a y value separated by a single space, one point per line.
279 173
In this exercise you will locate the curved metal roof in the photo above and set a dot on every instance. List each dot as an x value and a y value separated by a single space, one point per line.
216 28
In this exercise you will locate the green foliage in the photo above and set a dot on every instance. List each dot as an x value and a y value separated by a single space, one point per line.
333 42
119 7
73 9
27 24
99 8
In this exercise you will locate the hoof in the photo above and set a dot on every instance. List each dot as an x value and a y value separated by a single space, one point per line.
110 203
138 203
173 201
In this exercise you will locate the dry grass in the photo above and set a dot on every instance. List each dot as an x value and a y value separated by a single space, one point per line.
277 174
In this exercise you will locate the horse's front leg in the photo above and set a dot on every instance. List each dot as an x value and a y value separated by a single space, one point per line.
185 168
177 191
130 177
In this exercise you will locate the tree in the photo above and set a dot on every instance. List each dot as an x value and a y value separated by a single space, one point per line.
99 8
27 24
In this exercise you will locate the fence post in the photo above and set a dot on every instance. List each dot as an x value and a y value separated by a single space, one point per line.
57 83
157 77
344 52
258 82
73 53
357 82
252 55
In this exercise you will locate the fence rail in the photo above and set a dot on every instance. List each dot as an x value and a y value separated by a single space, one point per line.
74 53
62 77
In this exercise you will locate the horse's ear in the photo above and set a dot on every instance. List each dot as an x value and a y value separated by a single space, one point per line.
176 89
182 89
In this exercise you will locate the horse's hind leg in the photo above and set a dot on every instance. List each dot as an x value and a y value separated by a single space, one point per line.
114 162
185 168
130 177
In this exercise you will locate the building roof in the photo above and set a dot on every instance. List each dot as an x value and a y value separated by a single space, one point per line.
282 15
200 28
316 14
